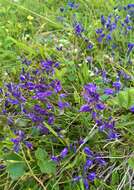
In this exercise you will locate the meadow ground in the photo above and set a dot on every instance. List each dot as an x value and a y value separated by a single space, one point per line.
66 95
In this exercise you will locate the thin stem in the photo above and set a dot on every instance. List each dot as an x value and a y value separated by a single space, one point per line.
31 171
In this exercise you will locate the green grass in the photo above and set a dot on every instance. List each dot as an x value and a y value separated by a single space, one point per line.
33 29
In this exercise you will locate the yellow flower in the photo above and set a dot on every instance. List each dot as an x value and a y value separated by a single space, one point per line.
30 17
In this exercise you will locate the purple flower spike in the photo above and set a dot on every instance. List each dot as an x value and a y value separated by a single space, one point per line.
91 176
64 152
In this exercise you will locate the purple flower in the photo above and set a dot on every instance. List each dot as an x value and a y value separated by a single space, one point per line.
94 115
42 95
130 48
78 29
64 152
112 27
77 178
109 91
90 46
55 158
51 119
28 145
49 106
127 19
102 127
103 20
89 59
47 65
16 140
113 135
63 105
91 176
130 6
117 85
100 106
86 184
57 87
132 109
85 108
26 62
99 31
63 95
30 85
73 5
10 121
100 160
90 88
22 77
100 38
1 91
2 166
42 129
14 102
88 151
108 37
59 48
21 134
88 164
16 148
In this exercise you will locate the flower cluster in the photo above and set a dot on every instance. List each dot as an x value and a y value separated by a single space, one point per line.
35 97
89 175
19 139
96 107
116 23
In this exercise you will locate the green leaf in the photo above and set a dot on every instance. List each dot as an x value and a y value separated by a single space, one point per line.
20 122
15 165
16 170
115 178
12 157
41 154
131 162
47 166
124 99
